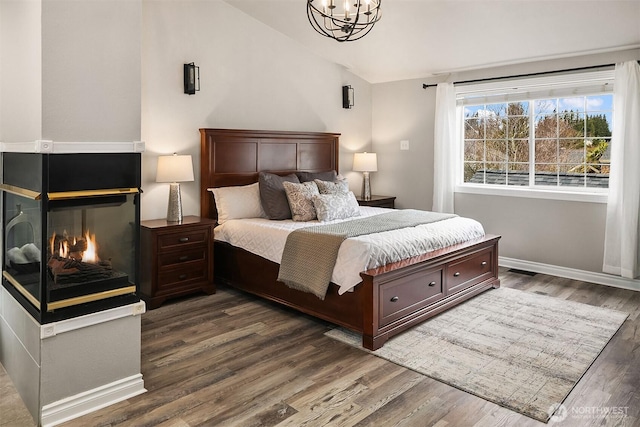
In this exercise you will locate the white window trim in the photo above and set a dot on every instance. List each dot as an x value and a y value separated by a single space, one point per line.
511 90
575 195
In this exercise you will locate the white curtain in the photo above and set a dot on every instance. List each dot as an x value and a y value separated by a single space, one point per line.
445 149
622 235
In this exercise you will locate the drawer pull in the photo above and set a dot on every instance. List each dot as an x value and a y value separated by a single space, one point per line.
182 276
432 284
183 258
394 299
456 274
483 263
183 239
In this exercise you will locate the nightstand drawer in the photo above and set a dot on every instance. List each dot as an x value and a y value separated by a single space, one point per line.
183 238
172 279
173 259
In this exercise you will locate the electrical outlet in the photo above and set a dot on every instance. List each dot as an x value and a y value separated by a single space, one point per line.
404 145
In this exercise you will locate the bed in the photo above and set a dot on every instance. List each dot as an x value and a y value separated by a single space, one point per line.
390 298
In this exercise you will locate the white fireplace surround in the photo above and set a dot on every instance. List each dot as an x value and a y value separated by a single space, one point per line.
68 368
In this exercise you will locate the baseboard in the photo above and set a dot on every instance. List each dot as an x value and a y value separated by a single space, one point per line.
571 273
83 403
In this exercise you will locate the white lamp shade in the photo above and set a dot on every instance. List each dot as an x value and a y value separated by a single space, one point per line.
174 168
365 162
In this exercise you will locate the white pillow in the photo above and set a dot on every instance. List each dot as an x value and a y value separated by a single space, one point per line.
336 206
238 202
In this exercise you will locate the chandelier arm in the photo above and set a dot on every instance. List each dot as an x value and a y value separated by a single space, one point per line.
351 27
314 23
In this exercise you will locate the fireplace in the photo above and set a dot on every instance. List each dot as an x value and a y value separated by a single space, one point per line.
70 231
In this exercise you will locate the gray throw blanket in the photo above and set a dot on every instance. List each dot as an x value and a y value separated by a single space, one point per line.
310 253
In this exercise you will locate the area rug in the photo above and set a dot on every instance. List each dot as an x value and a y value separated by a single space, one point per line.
521 350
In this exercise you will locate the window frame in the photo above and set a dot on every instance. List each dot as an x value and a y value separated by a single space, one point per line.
529 89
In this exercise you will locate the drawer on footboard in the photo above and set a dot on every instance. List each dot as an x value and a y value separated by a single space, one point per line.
468 271
410 293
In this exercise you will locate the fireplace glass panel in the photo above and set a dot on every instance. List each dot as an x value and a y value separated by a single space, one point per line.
23 243
90 245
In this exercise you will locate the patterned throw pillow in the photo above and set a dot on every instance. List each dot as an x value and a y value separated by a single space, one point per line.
336 206
300 200
337 187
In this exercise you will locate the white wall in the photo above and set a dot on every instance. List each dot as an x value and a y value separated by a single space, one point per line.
91 70
567 234
401 111
252 77
70 70
20 71
3 36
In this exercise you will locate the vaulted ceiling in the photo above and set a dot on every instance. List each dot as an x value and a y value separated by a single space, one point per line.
422 38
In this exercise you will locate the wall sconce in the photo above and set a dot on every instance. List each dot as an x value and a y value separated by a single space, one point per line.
174 169
365 163
347 97
191 77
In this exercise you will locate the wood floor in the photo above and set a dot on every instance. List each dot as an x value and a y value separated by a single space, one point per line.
232 360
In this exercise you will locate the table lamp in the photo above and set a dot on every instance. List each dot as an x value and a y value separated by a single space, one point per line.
174 169
365 163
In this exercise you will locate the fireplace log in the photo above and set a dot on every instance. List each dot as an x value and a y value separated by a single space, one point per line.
68 270
80 246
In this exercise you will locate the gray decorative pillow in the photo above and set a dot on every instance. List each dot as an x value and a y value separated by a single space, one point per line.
327 187
310 176
336 206
272 194
300 199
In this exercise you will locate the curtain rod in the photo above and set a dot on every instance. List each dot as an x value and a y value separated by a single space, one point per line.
542 73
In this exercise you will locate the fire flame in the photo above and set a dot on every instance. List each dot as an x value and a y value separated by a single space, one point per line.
91 254
64 248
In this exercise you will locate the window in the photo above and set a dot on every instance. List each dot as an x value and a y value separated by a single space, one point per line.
527 138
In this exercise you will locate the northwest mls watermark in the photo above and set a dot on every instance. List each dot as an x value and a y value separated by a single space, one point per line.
560 412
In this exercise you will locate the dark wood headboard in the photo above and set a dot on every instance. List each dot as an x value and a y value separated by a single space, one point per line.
234 157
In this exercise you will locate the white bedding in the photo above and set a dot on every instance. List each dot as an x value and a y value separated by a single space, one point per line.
267 238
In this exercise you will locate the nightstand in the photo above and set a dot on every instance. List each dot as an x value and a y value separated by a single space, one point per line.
175 259
378 201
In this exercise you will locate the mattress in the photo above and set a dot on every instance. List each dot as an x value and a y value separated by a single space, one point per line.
267 239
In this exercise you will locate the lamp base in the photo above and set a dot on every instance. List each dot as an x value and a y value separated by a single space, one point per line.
174 208
366 186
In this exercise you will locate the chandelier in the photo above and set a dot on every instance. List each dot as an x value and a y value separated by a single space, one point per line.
352 21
